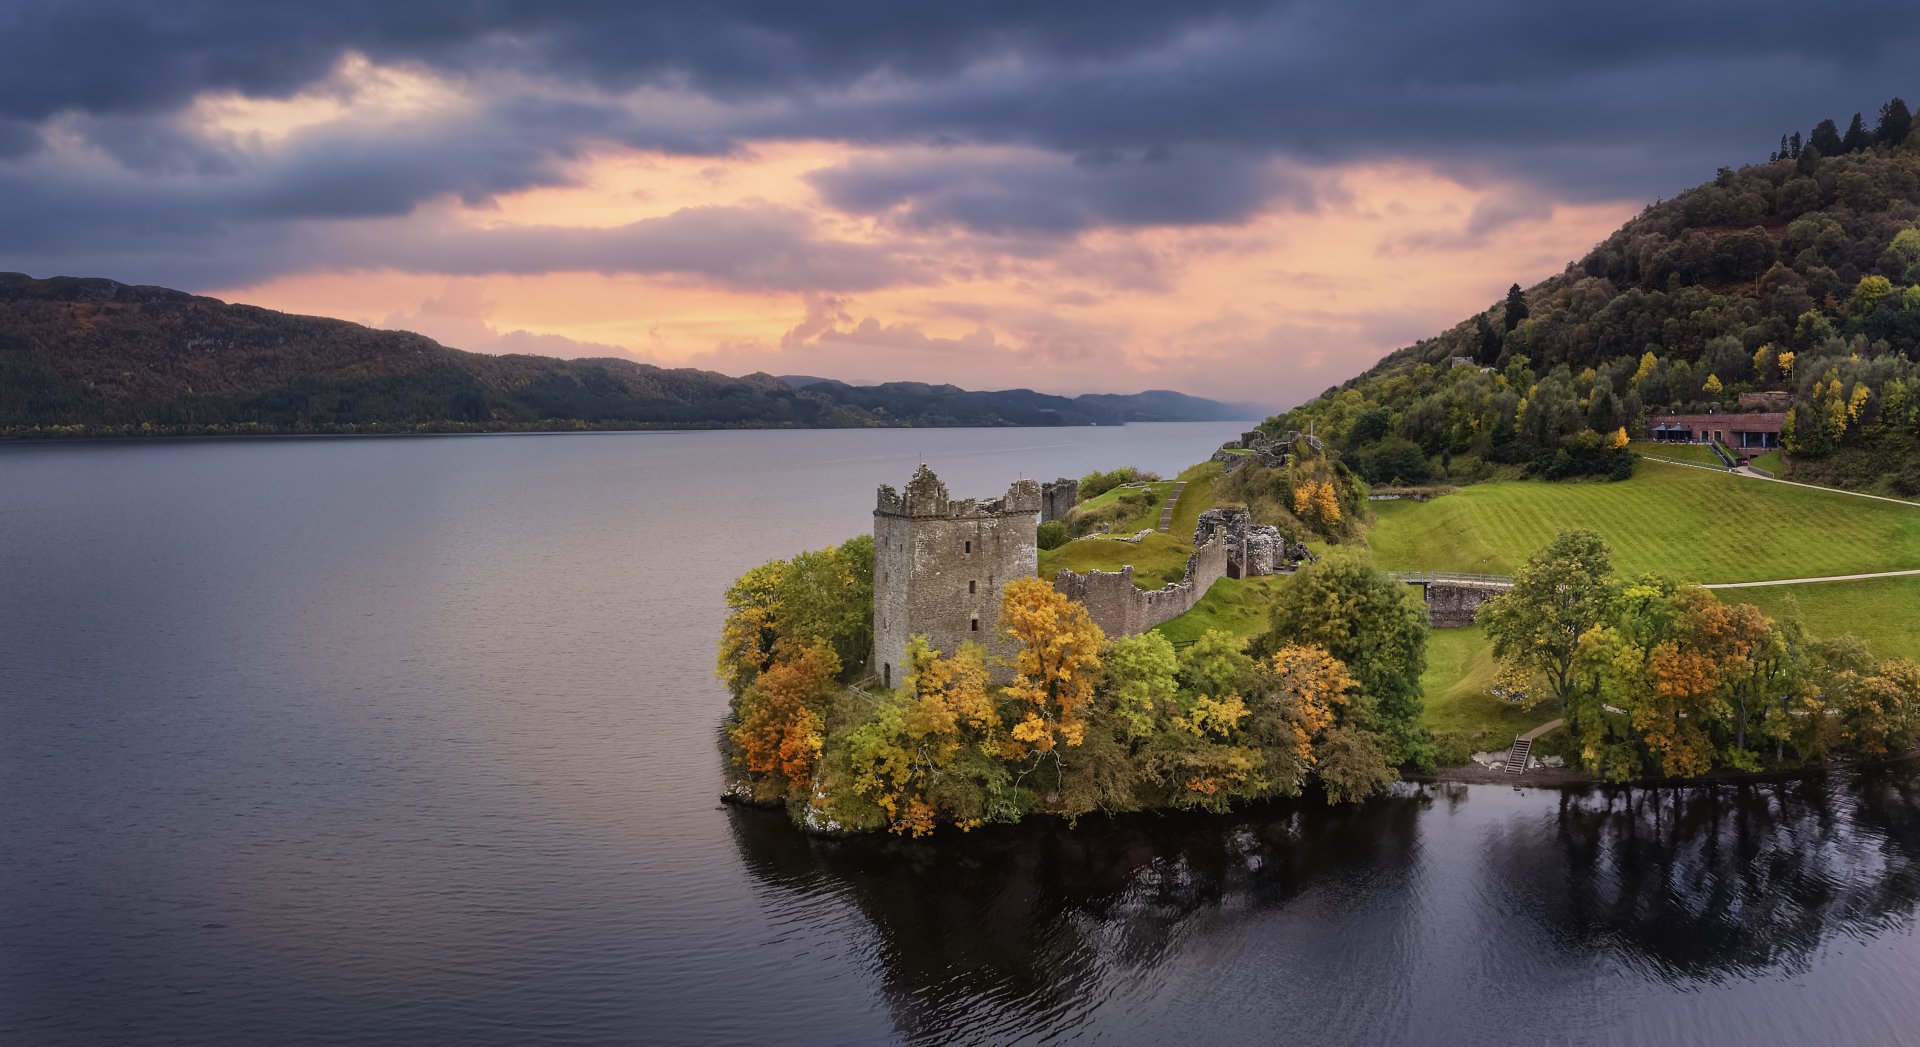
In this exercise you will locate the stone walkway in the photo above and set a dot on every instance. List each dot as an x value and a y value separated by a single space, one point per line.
1166 513
1809 581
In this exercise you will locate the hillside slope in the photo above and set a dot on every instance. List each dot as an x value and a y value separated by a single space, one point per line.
96 357
1800 276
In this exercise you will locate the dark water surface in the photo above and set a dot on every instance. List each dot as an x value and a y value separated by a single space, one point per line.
412 741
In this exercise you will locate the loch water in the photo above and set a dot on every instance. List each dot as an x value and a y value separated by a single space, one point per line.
413 741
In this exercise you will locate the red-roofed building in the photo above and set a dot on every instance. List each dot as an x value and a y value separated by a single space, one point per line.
1745 432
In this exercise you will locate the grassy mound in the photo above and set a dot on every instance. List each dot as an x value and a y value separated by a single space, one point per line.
1197 498
1145 518
1234 606
1157 559
1692 524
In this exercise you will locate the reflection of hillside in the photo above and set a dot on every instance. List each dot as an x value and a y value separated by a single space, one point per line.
1703 882
1003 933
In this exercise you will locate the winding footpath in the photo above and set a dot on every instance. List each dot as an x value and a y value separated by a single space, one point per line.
1748 472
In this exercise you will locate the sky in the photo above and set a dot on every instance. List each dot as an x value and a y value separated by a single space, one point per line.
1244 200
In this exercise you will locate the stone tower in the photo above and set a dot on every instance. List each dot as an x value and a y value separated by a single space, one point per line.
938 566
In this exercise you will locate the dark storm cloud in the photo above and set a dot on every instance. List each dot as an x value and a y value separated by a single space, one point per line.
141 56
1035 192
1126 112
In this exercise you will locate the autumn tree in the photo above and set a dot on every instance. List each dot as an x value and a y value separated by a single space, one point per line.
781 723
931 751
1377 628
1562 591
1056 668
750 631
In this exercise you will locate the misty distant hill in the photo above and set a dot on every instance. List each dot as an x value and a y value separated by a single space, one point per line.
85 356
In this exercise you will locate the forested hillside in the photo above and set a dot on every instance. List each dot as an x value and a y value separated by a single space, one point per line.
1799 274
95 357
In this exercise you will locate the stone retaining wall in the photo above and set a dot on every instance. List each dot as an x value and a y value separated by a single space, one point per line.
1452 604
1122 608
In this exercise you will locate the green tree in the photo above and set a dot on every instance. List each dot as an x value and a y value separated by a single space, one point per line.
1564 590
1377 628
1858 137
1516 306
1896 123
827 595
1825 139
1141 684
1905 250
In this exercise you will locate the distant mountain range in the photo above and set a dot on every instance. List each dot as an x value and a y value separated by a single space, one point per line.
85 356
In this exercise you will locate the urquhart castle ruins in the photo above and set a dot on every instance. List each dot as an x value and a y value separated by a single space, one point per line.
939 565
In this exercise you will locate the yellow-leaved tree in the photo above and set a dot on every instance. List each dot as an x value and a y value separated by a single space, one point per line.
748 637
930 752
1056 668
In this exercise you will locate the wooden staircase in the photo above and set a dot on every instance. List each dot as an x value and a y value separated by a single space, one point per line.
1517 755
1523 746
1166 512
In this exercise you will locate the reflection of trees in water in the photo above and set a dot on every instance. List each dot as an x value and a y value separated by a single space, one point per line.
1008 932
1705 881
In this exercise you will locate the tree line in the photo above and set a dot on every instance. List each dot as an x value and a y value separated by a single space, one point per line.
1659 679
1329 698
1783 276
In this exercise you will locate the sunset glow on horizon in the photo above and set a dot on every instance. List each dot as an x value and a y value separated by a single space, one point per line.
1242 202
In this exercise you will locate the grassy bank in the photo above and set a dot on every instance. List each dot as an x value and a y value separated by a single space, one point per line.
1692 524
1884 612
1700 453
1233 606
1157 559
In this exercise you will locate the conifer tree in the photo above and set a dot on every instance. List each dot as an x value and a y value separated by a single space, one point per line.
1857 136
1896 123
1826 139
1516 307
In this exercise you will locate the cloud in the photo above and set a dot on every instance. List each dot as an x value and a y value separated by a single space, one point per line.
1001 191
457 318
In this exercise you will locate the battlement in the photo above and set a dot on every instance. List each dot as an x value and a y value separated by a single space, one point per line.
927 497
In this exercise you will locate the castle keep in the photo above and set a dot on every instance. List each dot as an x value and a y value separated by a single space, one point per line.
938 565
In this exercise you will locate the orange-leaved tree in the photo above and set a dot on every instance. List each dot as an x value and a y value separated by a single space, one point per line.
1056 667
1688 677
782 722
1315 682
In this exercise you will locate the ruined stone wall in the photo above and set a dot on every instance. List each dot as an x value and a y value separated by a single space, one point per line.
1058 498
939 565
1121 608
1452 604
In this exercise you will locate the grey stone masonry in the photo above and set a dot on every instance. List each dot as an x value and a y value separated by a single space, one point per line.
1058 498
1121 608
1252 549
939 565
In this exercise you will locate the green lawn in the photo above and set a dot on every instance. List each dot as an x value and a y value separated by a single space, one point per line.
1691 524
1885 612
1233 606
1773 462
1149 517
1684 452
1464 717
1196 499
1157 559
